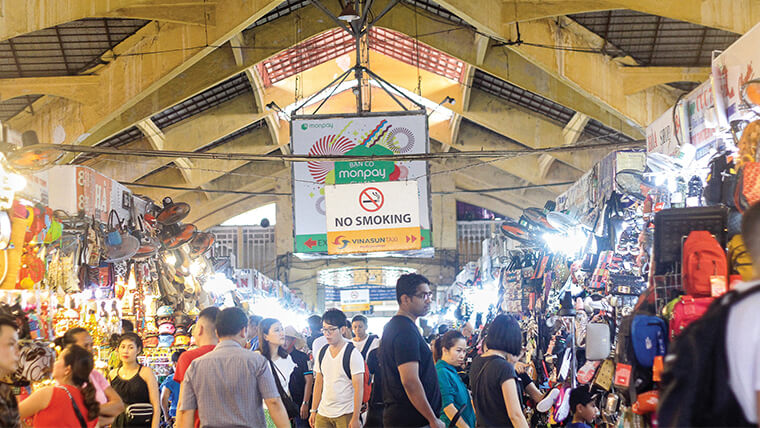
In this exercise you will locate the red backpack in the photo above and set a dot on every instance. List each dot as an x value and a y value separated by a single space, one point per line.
347 369
687 310
703 257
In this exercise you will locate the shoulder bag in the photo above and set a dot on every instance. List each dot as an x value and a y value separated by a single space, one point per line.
77 412
290 406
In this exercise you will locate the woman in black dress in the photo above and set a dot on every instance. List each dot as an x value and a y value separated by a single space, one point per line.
137 386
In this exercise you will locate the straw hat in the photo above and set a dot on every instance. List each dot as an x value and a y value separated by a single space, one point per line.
290 331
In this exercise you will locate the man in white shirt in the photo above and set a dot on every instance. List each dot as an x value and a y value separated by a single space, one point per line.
364 342
337 398
743 329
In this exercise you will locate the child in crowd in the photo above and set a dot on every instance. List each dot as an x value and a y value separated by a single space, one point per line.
583 406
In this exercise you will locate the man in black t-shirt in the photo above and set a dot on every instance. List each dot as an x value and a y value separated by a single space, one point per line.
302 379
410 383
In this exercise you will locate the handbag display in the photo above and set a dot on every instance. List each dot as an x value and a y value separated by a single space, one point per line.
598 345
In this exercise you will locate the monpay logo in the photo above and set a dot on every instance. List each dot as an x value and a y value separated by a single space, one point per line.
305 126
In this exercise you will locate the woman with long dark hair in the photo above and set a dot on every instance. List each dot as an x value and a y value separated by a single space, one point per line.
271 346
110 402
137 386
70 403
495 386
449 351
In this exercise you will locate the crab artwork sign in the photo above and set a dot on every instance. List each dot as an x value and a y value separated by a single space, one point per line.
370 134
372 217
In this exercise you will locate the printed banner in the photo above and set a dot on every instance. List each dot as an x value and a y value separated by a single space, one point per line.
661 134
350 135
354 300
378 295
363 218
700 107
730 70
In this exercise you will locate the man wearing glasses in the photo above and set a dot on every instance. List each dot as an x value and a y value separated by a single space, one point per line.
337 395
410 383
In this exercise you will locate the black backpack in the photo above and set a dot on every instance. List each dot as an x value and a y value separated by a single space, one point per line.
695 389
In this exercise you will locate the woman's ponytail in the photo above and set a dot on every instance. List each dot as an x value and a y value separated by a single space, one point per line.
90 402
82 364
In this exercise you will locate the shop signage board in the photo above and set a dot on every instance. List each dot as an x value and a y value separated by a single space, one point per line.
377 296
354 300
731 69
703 121
371 217
661 134
77 189
354 135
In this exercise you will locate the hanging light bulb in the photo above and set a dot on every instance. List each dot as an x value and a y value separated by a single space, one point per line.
349 12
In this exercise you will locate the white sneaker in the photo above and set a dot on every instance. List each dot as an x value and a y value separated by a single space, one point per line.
547 402
564 407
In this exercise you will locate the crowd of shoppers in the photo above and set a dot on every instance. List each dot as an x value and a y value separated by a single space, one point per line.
254 372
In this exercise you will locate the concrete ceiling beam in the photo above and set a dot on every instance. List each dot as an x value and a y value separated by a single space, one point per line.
81 89
202 172
24 17
207 127
637 79
200 13
152 133
220 208
489 15
138 72
574 129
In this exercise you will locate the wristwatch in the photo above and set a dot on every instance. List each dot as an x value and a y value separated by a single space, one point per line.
312 411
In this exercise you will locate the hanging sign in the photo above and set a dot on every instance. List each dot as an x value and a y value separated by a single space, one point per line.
700 107
351 135
661 134
371 217
80 189
354 300
737 65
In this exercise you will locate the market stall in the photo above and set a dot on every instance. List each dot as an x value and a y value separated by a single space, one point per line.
607 277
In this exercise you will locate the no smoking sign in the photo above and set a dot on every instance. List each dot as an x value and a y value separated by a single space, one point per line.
371 199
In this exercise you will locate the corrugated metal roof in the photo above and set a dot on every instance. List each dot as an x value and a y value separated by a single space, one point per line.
543 106
522 98
66 49
14 106
237 134
121 139
212 97
655 40
285 8
436 9
290 6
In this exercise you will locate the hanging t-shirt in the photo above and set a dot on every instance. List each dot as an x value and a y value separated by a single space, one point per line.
403 343
487 374
337 388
